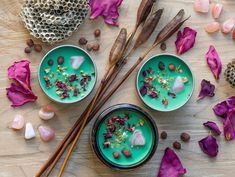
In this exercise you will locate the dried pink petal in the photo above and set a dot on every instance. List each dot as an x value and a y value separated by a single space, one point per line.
229 125
185 40
214 62
201 6
153 94
213 126
227 26
212 27
216 10
209 146
19 96
143 90
221 109
207 89
171 165
46 133
106 8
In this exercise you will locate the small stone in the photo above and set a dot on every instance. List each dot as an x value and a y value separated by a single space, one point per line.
116 155
89 47
50 62
28 50
18 122
171 67
38 47
97 33
46 133
60 60
163 46
163 135
82 41
46 113
185 137
96 47
30 42
126 153
161 65
29 131
177 145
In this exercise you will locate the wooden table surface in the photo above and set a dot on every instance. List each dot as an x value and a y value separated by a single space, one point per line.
20 158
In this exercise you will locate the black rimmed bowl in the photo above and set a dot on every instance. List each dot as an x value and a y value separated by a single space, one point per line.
124 137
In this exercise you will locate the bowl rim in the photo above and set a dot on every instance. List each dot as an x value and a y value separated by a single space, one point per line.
103 115
165 54
61 46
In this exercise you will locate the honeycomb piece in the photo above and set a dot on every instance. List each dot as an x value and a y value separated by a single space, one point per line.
230 73
53 20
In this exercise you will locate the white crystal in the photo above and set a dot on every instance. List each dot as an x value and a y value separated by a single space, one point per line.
137 139
178 85
29 131
76 61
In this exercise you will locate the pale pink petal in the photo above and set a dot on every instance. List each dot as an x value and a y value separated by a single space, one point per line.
216 10
46 133
212 27
227 26
201 6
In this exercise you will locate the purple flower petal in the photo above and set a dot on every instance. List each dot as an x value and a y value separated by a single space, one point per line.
185 40
171 165
221 109
106 8
229 125
213 126
207 89
214 62
143 90
153 94
209 146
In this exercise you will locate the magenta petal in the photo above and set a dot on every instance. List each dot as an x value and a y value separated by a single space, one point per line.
221 109
143 90
171 165
185 40
207 89
213 126
106 8
231 102
214 62
209 146
229 125
19 96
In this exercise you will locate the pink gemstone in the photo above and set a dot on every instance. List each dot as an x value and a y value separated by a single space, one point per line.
201 6
212 27
227 26
18 122
46 133
216 10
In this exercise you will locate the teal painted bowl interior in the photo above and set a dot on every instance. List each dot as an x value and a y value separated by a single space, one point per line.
139 153
181 97
67 51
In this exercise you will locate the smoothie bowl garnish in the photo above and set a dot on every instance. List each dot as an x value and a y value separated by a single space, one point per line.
165 82
67 78
124 137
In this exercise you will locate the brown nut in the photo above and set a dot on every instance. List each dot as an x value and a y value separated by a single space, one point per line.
28 50
177 145
60 60
82 41
97 33
50 62
185 137
163 46
89 47
30 42
171 67
163 135
38 47
126 153
116 155
96 46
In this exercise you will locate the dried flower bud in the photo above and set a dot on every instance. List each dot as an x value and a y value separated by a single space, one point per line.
82 41
177 145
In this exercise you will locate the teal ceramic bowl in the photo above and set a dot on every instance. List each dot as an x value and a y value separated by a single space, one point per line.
63 83
156 82
127 124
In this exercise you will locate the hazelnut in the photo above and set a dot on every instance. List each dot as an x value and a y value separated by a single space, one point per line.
163 46
126 153
161 65
30 42
177 145
97 32
28 50
89 47
171 67
38 47
96 47
82 41
60 60
185 137
116 155
50 62
163 135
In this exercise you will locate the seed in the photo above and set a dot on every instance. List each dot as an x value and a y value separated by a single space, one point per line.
185 137
161 65
38 47
82 41
60 60
177 145
126 153
164 135
97 32
163 46
50 62
165 102
171 67
116 155
30 42
96 47
89 47
28 50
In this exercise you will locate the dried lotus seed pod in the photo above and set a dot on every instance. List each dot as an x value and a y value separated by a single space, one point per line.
230 73
52 20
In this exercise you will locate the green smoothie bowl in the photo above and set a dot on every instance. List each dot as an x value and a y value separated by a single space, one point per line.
67 74
165 82
124 137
